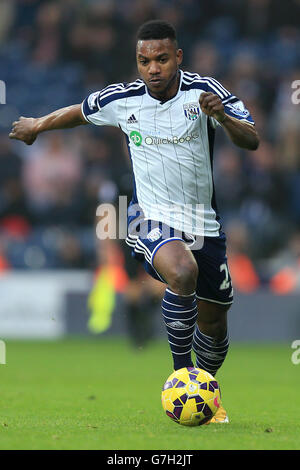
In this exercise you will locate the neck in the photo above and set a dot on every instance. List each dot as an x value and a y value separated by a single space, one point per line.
171 89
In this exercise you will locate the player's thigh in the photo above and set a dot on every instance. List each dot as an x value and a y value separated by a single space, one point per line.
212 318
174 261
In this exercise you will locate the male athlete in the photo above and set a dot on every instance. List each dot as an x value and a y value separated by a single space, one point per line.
169 118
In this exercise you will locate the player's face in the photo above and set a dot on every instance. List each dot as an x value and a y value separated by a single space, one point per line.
158 61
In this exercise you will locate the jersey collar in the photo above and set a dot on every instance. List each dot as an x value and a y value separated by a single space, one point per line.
171 99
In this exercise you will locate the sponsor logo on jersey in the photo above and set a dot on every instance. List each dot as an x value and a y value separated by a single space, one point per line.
154 235
191 111
136 138
149 140
132 119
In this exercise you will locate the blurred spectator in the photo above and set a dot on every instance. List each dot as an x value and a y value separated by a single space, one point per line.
286 124
230 181
284 270
242 270
47 38
205 59
6 18
15 216
51 173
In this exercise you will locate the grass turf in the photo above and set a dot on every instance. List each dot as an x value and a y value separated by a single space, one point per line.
102 394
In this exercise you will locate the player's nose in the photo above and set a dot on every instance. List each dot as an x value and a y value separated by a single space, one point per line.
154 68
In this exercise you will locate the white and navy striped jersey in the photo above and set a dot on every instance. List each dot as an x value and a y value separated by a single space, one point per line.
171 147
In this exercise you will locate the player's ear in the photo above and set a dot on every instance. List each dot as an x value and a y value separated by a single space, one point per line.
179 56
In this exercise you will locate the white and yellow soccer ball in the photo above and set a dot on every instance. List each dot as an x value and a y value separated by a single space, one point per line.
191 396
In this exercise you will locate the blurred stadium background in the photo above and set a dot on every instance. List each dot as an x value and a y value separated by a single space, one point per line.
57 279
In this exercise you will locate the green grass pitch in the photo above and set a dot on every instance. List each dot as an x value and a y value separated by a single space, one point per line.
102 394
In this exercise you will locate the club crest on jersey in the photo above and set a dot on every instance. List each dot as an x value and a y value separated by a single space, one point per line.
191 111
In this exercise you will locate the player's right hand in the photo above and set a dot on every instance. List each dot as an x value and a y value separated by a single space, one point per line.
24 129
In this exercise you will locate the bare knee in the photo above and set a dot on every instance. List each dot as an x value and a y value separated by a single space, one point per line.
183 277
177 266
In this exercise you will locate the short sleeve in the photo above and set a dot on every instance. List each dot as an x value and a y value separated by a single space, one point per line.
100 114
233 106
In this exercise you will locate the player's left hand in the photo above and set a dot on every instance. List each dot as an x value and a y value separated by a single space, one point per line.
212 105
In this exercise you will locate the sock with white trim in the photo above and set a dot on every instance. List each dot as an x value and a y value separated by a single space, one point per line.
180 316
210 354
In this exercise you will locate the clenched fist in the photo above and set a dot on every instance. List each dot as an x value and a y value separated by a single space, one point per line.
24 129
212 105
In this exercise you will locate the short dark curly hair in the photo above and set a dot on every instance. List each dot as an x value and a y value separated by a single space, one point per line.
156 29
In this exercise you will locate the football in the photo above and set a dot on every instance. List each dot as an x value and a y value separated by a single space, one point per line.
190 396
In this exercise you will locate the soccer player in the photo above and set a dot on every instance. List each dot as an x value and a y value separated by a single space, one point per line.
169 118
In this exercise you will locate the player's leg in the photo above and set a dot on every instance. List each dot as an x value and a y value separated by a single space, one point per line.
215 296
211 343
176 264
211 338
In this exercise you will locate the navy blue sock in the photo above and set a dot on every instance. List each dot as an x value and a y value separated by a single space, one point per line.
180 316
210 355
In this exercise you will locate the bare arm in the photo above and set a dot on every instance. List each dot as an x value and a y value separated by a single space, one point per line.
241 133
27 129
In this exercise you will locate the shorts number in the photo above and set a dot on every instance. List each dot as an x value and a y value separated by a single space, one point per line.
226 283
